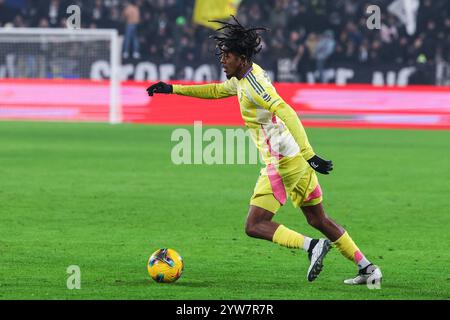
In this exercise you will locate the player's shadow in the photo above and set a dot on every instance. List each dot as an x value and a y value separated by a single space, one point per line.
141 282
147 282
194 284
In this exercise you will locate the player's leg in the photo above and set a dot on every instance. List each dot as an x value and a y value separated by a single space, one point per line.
307 195
259 224
268 196
317 218
270 193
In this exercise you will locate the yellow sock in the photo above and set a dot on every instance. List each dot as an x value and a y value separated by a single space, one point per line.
288 238
348 249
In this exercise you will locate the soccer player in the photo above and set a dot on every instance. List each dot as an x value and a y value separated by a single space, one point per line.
282 141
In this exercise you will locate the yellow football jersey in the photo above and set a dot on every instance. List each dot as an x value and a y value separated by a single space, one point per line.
274 126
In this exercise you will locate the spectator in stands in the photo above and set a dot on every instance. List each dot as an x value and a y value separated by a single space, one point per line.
279 14
6 13
363 53
168 33
400 50
421 75
43 23
131 14
53 11
302 61
254 15
98 14
113 21
318 11
374 53
19 22
278 48
311 44
325 48
389 32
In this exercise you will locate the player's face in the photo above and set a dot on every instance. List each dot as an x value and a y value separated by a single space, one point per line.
231 64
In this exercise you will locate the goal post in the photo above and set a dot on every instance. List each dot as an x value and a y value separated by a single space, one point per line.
115 113
60 66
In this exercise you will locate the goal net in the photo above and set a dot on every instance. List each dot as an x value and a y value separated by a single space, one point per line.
60 74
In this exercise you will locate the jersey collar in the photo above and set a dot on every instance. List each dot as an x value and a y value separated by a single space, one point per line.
248 71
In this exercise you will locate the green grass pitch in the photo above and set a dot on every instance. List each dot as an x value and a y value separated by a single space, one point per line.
105 197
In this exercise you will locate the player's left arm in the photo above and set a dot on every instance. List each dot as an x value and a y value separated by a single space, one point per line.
294 125
267 97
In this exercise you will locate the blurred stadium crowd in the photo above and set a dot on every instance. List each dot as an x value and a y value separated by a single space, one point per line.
310 32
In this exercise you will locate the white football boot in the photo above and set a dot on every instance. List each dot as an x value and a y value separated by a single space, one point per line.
316 256
369 275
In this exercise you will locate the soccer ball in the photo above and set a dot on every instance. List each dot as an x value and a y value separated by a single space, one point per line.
165 265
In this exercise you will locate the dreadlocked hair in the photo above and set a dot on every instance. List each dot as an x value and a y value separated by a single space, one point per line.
237 39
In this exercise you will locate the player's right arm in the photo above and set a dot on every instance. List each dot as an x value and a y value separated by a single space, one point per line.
265 95
204 91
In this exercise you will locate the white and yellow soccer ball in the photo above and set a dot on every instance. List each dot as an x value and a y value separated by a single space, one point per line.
165 265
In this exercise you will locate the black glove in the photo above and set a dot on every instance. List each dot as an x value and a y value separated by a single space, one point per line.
321 165
160 87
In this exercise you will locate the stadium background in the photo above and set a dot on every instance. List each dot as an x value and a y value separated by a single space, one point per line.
104 197
306 36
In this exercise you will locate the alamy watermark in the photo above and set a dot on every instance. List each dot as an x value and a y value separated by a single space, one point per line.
374 20
373 282
74 279
213 146
74 20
